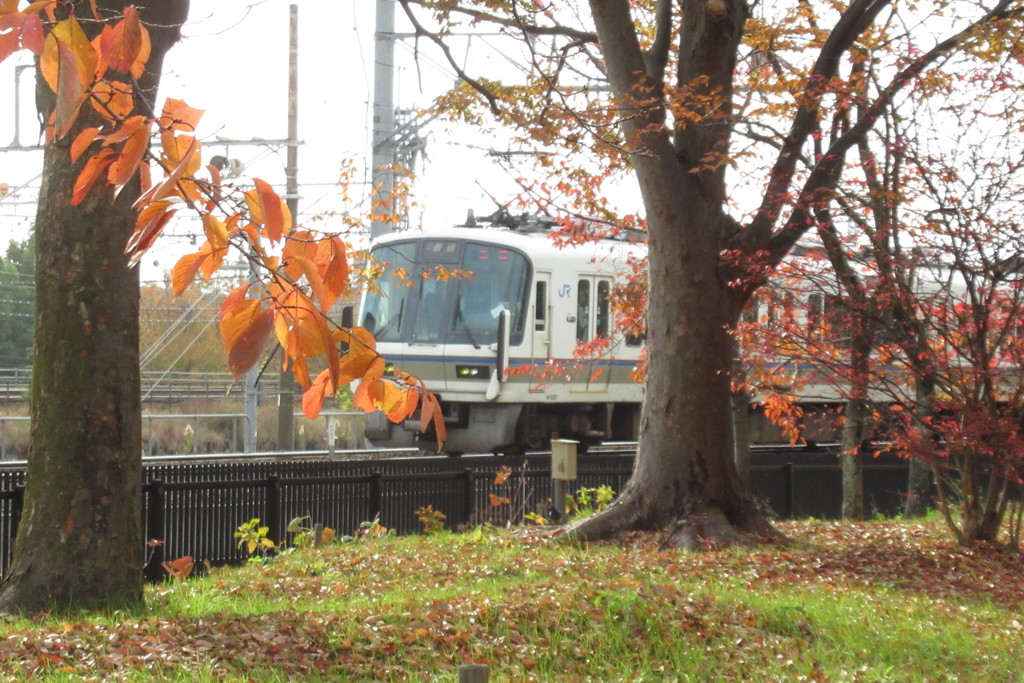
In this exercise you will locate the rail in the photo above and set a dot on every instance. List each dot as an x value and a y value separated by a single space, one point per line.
157 386
191 428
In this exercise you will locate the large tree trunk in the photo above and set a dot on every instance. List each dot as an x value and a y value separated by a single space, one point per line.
685 474
79 544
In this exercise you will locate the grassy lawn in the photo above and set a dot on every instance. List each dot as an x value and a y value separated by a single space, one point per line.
880 601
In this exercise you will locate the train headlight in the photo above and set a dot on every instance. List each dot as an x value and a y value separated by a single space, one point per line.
471 371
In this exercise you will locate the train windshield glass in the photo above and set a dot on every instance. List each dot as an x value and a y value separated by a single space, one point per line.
446 291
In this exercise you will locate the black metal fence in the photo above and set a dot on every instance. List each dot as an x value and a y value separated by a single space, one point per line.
195 507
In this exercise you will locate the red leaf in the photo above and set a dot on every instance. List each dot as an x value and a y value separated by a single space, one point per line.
9 44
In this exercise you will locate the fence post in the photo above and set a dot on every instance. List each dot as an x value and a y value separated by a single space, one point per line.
331 430
17 506
474 673
154 493
273 519
376 494
195 434
469 495
563 470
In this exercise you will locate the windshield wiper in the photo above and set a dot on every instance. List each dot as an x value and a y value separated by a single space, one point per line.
465 326
391 322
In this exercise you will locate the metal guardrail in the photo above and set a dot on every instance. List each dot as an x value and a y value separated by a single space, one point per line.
156 385
336 424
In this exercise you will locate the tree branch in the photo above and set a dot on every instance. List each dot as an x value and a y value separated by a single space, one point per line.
492 99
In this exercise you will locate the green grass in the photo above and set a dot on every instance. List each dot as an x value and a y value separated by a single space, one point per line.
881 601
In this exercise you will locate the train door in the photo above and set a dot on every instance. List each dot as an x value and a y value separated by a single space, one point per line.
593 320
540 349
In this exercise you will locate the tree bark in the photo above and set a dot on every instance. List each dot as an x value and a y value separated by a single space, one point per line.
79 544
854 428
920 476
685 472
855 424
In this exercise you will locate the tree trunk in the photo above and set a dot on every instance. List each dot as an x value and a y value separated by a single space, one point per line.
920 475
741 434
685 472
854 427
685 475
919 485
855 424
79 544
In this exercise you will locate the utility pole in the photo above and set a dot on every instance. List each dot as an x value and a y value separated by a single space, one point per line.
286 378
383 157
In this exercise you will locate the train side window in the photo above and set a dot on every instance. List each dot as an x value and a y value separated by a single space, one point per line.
815 313
604 292
583 311
636 335
750 311
541 307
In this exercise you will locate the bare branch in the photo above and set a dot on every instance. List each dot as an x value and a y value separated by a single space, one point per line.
492 99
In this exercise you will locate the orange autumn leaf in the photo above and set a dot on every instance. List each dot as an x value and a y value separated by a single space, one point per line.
249 341
68 65
82 142
167 187
178 116
314 397
301 243
234 313
148 226
359 363
135 147
216 231
215 260
277 218
125 44
316 284
404 408
93 170
252 202
185 270
300 330
71 91
430 412
112 100
335 274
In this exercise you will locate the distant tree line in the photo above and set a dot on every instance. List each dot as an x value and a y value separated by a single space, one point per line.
17 303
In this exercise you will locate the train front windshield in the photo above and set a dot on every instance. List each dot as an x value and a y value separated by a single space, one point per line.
446 292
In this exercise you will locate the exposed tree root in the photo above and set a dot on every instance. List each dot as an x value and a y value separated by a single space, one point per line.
708 527
621 516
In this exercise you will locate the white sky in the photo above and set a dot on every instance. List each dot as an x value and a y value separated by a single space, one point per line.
233 63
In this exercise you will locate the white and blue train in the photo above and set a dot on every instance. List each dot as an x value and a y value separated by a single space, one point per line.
490 318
